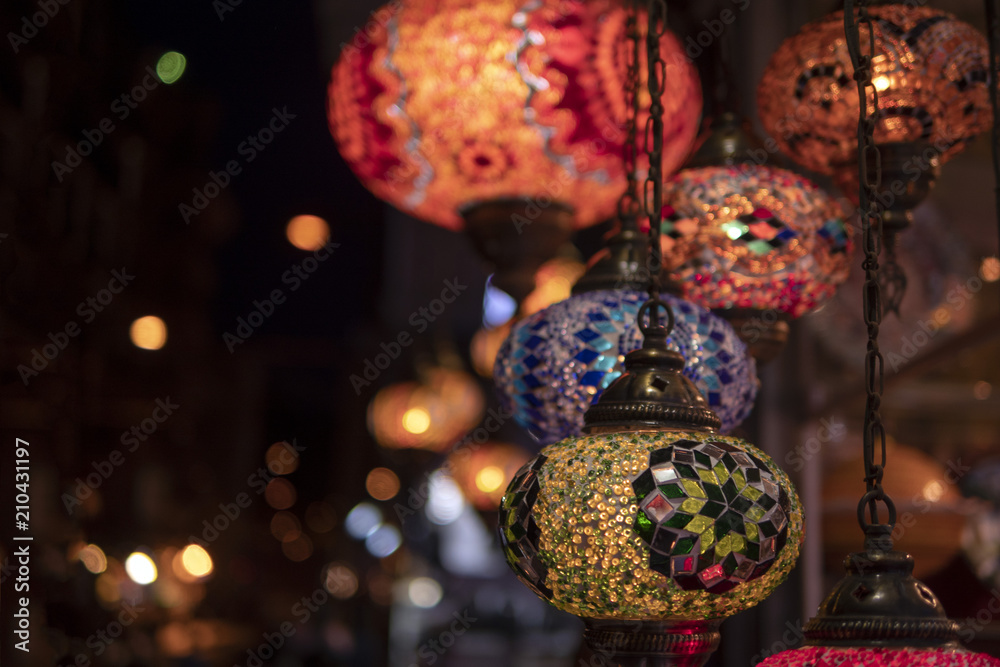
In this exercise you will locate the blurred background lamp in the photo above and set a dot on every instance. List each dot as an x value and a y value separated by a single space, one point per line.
362 521
148 333
382 484
444 499
93 558
384 541
196 561
424 592
307 232
140 568
170 67
340 581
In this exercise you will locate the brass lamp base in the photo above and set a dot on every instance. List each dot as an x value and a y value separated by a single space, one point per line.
517 236
765 332
652 643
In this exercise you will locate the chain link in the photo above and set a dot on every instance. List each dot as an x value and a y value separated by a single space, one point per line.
656 13
870 169
628 205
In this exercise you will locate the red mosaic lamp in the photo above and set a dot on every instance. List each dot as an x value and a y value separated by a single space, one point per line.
759 245
502 118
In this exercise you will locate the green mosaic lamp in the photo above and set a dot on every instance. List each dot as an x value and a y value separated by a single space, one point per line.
651 526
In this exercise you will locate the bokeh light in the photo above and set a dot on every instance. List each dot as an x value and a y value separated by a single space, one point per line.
320 517
170 67
140 568
281 458
196 561
307 232
107 591
982 390
490 479
382 484
416 420
285 526
148 333
93 558
340 581
445 501
424 592
362 521
384 541
299 549
280 494
989 270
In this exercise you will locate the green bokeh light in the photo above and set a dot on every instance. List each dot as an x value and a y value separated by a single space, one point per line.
170 66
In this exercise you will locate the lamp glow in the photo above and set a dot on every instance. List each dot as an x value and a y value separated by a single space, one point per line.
307 232
148 333
93 558
140 568
170 67
196 561
450 106
931 71
416 421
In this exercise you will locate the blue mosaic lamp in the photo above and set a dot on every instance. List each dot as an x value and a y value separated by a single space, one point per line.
556 362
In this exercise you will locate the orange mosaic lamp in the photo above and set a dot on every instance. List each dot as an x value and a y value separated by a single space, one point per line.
504 118
930 71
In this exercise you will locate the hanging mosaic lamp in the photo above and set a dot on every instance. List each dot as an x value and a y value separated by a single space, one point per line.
556 362
930 71
503 118
759 245
929 75
651 526
431 413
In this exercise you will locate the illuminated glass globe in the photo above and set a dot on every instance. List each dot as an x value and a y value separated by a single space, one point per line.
444 105
556 362
822 656
930 71
432 413
651 516
483 471
754 237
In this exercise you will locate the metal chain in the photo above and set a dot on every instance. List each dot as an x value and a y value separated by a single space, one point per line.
628 204
871 232
993 25
653 141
